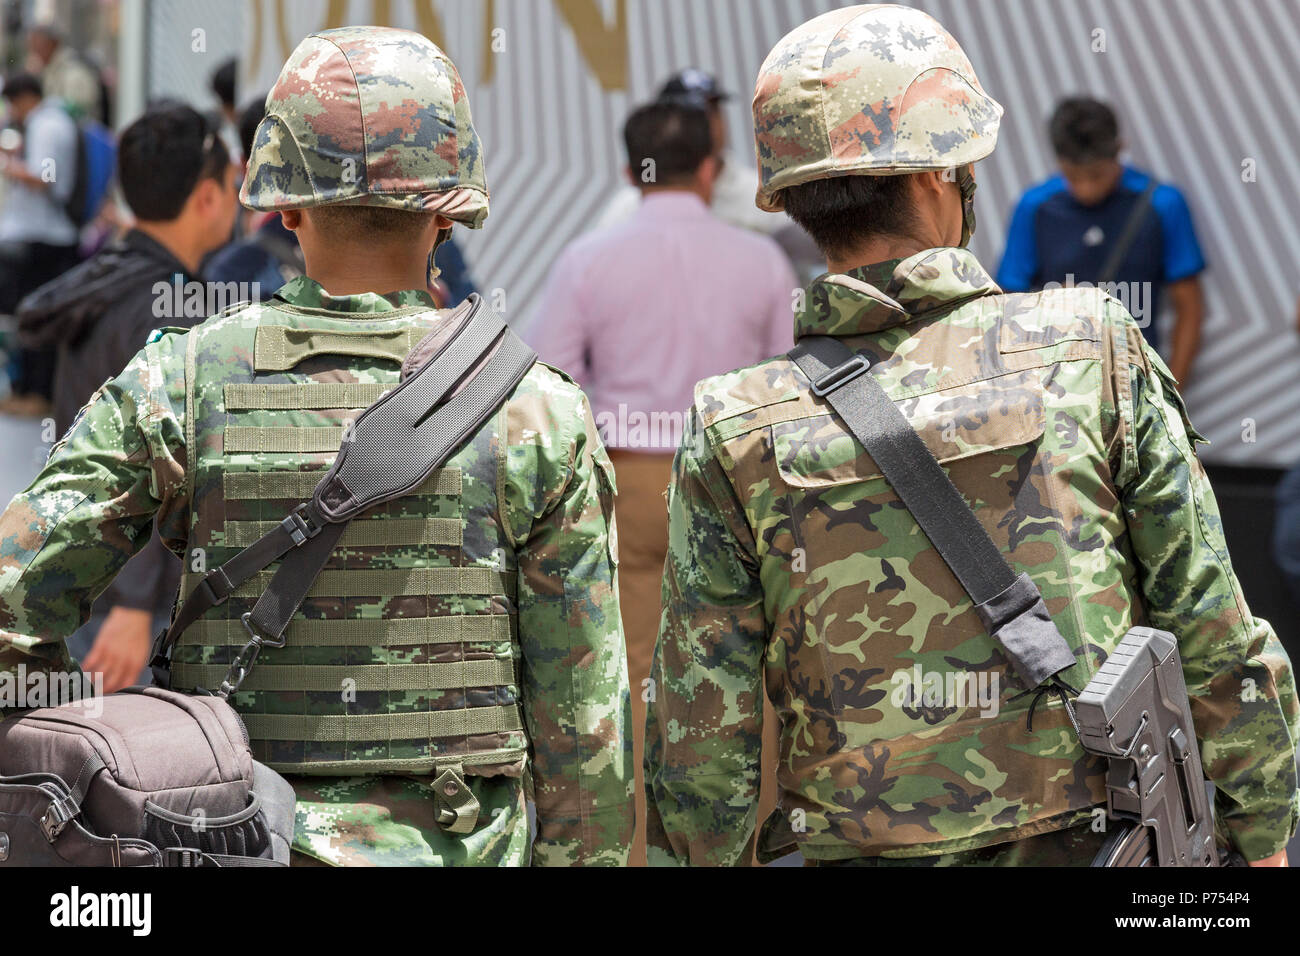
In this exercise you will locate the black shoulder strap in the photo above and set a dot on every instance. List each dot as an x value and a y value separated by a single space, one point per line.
1115 258
1008 603
391 448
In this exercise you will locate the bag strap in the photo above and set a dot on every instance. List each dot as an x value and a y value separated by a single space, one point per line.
1008 603
1132 225
392 447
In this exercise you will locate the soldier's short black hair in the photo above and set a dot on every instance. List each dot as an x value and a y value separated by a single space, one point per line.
163 156
223 82
364 223
667 141
842 212
1083 130
21 84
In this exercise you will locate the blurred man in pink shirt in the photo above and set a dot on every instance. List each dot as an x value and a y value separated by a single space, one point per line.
641 311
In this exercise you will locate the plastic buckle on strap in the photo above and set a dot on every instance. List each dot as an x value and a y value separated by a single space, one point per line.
183 856
299 526
57 816
840 375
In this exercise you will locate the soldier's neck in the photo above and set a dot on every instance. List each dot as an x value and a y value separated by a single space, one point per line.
353 275
873 251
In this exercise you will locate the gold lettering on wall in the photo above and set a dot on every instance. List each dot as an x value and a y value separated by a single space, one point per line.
602 46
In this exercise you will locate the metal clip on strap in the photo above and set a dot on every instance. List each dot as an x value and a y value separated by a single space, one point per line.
840 375
454 803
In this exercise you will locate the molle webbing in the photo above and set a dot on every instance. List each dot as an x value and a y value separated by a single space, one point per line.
388 632
361 727
428 689
241 439
362 533
302 395
365 677
388 582
296 485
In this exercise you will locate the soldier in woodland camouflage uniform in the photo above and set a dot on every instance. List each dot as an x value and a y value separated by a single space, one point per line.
467 634
793 563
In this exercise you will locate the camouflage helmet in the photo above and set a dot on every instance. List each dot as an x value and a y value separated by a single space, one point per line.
368 116
874 89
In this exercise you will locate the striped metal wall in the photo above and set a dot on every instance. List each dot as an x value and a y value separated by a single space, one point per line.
1202 87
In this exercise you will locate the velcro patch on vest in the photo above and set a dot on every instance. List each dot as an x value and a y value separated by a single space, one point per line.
278 348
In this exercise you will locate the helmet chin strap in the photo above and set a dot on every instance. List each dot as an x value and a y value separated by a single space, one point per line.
434 271
966 183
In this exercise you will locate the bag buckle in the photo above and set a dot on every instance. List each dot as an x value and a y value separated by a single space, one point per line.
56 817
184 856
299 526
841 374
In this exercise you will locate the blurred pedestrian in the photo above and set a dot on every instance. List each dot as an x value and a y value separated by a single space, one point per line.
638 313
64 73
736 180
1286 530
38 239
1105 222
268 256
226 117
177 178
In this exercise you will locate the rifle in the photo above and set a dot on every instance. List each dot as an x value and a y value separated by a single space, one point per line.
1135 713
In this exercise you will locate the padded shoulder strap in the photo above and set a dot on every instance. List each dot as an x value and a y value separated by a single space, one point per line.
1008 603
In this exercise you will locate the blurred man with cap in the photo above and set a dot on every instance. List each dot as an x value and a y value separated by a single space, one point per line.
736 179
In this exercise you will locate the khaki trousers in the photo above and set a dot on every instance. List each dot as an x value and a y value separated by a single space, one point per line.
643 545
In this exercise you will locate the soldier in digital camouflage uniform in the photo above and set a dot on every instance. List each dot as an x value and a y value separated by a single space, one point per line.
792 563
468 632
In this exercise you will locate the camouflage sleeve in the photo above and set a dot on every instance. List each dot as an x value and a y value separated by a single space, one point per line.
1238 675
575 686
89 510
704 722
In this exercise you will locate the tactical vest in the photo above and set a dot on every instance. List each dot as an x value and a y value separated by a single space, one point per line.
403 657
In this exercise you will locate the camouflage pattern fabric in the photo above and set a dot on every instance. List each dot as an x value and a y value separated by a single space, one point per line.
791 562
368 116
874 88
144 447
1075 846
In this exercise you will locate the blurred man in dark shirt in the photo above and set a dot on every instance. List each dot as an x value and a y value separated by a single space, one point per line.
177 177
1103 221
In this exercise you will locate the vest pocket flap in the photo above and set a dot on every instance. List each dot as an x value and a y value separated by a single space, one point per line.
955 423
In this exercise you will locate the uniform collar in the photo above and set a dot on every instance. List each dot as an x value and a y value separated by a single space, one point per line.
891 293
307 293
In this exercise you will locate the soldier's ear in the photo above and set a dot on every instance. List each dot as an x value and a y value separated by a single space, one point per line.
291 219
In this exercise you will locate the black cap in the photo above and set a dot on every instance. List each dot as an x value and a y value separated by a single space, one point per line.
694 85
